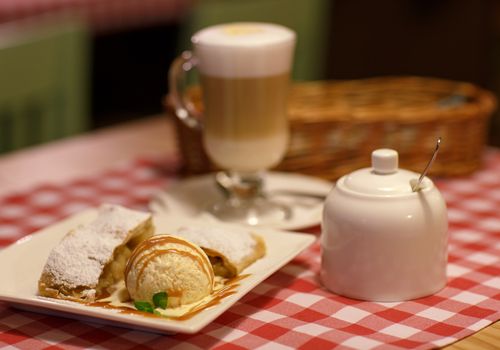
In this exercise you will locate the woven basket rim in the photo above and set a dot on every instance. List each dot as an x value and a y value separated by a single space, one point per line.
481 102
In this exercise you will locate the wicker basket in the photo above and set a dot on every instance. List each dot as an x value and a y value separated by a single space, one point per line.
335 125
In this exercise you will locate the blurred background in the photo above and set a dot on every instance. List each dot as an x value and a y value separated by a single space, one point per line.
67 66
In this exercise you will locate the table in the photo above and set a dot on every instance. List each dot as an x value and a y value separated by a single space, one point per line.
94 152
78 160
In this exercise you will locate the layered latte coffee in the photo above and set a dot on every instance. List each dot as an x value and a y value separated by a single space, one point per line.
245 69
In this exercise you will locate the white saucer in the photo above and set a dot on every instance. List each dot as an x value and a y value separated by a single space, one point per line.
303 194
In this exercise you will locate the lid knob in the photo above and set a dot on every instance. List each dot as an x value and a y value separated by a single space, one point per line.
385 161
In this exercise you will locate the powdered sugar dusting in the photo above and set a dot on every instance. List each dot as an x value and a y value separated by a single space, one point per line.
235 244
79 258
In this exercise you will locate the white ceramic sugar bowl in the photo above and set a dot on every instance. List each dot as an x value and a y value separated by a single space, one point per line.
380 240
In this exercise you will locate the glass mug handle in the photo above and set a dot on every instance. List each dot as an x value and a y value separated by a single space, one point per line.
184 108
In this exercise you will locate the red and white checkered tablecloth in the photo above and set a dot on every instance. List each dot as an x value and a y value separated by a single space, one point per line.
290 309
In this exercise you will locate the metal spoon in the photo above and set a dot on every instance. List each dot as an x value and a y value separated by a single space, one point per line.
414 183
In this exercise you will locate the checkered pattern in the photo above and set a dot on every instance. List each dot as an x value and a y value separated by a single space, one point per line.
101 15
290 309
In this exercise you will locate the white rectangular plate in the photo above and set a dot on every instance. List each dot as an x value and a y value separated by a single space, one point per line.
21 265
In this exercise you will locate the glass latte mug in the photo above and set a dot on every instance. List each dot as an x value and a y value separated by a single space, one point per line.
244 71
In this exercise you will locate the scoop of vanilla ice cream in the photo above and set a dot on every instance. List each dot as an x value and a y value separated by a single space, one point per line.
165 263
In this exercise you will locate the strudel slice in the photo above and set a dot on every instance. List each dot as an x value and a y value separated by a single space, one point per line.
230 250
91 258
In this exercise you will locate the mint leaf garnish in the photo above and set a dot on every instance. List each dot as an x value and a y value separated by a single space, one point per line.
144 306
160 300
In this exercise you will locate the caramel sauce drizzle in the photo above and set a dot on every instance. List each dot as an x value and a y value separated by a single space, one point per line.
228 289
145 259
229 286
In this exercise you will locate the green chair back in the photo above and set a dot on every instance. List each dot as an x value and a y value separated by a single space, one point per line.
43 83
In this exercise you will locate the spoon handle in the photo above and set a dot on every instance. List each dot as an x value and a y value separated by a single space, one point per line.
427 167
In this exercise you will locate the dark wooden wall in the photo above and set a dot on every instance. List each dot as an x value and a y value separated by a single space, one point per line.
452 39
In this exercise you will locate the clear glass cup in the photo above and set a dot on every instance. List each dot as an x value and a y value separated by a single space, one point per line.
244 71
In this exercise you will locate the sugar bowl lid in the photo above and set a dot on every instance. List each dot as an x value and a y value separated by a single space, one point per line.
383 178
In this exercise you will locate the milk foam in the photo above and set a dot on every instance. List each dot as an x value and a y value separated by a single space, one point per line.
244 49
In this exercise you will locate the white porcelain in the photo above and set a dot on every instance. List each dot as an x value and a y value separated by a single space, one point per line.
21 264
380 241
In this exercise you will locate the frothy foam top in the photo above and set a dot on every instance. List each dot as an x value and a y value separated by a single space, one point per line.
245 49
244 35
